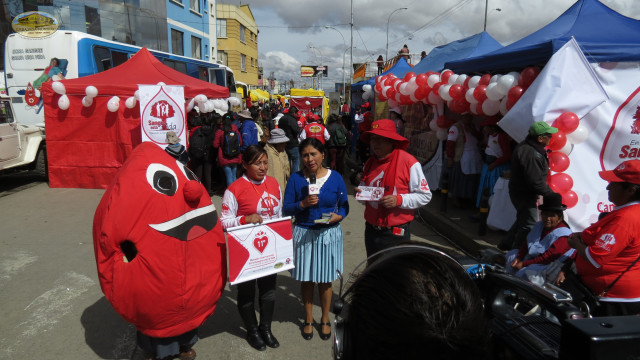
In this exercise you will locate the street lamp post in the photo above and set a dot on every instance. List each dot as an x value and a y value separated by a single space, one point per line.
388 19
320 74
344 84
486 13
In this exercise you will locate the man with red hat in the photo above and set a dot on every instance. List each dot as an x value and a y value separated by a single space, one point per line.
314 129
399 176
609 250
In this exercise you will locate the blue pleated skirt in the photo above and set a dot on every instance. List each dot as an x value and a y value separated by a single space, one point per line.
317 253
488 179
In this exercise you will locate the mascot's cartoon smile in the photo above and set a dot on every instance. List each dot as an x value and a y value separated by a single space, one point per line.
159 245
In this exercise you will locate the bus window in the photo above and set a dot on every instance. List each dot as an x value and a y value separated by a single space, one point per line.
217 76
202 73
103 58
181 66
119 58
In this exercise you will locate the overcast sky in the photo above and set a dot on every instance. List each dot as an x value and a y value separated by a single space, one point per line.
288 28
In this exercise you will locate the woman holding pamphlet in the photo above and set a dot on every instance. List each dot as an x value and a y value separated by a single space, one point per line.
249 200
392 187
317 198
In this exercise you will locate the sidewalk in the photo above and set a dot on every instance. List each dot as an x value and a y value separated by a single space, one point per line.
456 225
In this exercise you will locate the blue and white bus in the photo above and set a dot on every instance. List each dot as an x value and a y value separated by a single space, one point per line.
28 62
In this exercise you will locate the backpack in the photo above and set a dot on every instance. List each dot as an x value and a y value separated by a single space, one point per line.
231 144
339 137
198 145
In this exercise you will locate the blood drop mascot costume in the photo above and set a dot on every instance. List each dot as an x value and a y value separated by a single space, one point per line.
159 245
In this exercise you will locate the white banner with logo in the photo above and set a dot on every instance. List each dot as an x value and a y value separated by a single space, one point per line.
255 251
162 110
612 132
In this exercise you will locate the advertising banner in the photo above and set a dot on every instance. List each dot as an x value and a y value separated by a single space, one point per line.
255 250
162 110
313 70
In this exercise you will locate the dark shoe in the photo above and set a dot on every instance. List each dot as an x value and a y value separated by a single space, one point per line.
324 336
255 340
187 355
267 336
305 335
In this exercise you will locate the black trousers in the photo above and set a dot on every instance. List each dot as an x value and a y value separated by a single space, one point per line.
380 239
267 298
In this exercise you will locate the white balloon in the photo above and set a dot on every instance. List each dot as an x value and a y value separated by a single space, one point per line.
224 106
200 98
443 91
58 87
307 103
191 104
130 102
366 96
433 125
472 109
461 79
384 90
87 101
442 134
516 76
137 94
474 81
412 86
469 96
113 104
490 107
63 102
434 99
91 91
366 87
505 83
567 148
493 93
413 98
579 135
495 78
503 105
404 88
453 78
433 79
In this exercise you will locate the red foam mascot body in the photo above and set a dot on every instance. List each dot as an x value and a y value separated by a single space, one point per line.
159 245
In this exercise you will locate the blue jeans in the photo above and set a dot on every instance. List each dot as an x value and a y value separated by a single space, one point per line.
230 173
294 159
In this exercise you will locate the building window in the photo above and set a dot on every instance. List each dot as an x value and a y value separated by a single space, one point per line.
195 48
194 5
243 62
222 58
177 46
221 28
242 31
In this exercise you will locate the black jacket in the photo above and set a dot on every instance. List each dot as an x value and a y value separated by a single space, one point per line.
529 169
290 126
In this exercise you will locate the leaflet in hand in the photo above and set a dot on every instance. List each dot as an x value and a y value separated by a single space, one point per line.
369 193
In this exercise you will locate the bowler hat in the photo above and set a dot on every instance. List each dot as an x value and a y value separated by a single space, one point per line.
552 202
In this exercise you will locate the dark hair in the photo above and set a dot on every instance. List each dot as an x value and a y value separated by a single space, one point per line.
253 153
409 303
315 143
293 109
227 122
636 187
332 118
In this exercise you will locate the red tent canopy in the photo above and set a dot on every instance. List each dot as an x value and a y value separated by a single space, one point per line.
86 146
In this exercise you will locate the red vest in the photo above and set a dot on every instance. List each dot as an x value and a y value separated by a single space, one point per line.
315 130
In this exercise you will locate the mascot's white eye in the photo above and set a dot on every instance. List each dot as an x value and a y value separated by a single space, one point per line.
162 179
187 172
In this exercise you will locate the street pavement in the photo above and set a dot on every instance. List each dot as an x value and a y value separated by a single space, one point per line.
52 306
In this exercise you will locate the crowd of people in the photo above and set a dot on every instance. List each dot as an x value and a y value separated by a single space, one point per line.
265 160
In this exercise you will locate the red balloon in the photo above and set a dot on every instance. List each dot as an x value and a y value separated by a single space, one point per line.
466 82
510 104
421 92
436 86
479 108
391 93
456 91
405 100
381 97
561 183
480 93
528 75
421 79
378 87
570 198
444 77
558 140
515 93
442 122
484 79
558 161
409 75
459 106
567 122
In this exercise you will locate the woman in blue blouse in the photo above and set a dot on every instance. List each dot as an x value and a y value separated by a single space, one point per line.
317 244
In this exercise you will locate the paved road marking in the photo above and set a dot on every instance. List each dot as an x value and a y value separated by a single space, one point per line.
15 263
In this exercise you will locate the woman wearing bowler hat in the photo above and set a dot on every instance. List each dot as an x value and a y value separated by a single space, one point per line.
609 250
399 175
546 242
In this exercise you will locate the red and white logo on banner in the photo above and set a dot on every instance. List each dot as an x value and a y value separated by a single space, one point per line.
162 110
622 142
259 250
